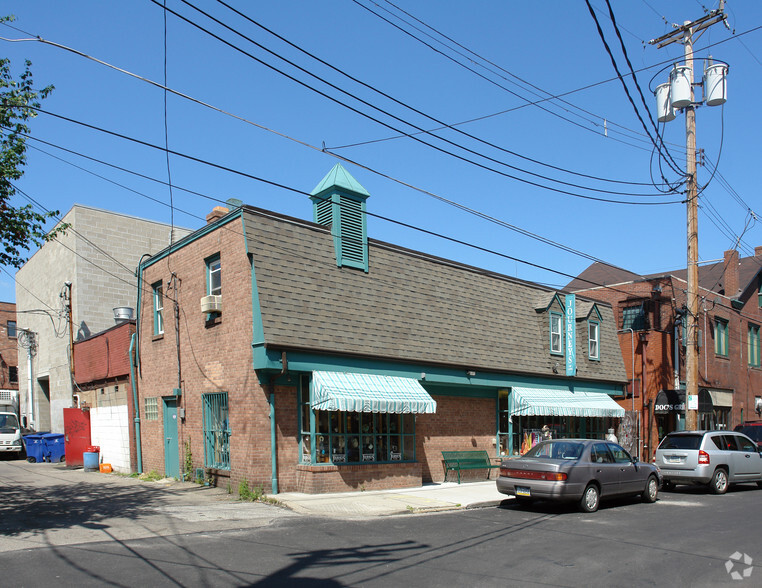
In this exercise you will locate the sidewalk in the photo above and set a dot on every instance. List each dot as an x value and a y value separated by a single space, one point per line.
427 498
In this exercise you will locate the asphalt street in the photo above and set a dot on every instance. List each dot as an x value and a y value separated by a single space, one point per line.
102 531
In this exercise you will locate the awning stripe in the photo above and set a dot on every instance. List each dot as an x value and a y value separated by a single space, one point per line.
369 393
545 402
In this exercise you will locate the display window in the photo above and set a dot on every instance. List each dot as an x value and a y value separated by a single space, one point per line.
354 437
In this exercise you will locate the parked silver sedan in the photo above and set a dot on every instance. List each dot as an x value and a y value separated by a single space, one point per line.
582 470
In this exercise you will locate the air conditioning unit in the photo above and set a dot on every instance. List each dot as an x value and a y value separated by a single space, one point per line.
211 303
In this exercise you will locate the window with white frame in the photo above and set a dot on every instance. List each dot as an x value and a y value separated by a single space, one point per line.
214 276
556 333
158 308
593 339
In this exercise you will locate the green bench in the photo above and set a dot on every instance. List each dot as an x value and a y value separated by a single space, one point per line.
467 460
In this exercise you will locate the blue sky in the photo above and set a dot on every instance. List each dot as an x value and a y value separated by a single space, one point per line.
553 45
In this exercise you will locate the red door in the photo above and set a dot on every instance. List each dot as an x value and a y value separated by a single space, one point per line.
77 435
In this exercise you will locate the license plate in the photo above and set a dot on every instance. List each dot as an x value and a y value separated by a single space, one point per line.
523 491
674 459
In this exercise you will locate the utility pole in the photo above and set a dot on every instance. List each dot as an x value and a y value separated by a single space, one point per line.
685 34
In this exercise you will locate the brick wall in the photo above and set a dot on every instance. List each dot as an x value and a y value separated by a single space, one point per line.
8 347
459 424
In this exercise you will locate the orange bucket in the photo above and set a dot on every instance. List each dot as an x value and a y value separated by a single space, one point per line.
105 468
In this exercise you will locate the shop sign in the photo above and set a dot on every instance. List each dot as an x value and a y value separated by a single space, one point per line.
368 456
693 403
338 458
396 456
571 335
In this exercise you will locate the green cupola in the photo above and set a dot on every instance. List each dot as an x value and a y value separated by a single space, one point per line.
339 203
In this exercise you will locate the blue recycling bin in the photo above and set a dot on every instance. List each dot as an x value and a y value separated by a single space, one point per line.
53 447
35 447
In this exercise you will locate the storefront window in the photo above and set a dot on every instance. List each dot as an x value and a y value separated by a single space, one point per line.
355 437
503 422
528 431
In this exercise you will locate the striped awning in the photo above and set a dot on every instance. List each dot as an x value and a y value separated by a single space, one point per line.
544 402
369 393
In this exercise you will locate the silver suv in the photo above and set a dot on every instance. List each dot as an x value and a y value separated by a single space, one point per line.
714 458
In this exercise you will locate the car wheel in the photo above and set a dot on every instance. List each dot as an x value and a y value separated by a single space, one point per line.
651 490
590 499
719 483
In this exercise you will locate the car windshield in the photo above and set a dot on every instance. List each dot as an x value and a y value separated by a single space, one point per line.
8 421
681 442
556 450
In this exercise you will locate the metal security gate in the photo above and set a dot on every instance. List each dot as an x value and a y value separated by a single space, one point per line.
216 431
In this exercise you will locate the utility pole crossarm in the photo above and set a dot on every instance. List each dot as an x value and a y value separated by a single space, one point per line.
690 28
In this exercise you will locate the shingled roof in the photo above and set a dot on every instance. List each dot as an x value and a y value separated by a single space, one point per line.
409 306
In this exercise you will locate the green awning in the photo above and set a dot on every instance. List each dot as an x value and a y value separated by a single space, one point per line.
544 402
369 393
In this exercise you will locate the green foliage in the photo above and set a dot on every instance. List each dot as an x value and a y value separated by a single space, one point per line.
20 226
152 476
188 465
249 494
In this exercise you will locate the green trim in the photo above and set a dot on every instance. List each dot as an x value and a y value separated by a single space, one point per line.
721 337
157 292
195 236
753 350
208 263
436 380
553 314
597 356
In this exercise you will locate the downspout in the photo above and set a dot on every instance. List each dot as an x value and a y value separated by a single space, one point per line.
136 404
273 436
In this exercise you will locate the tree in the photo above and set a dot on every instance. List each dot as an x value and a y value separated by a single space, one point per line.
20 227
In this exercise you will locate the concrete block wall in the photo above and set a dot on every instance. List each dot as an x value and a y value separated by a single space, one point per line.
99 284
110 429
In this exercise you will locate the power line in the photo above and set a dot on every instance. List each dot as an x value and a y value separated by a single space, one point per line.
366 115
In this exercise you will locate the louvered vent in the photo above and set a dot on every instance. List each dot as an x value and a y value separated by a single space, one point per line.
323 214
352 243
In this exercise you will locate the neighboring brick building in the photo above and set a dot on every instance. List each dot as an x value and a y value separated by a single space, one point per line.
9 363
102 379
98 256
729 321
302 356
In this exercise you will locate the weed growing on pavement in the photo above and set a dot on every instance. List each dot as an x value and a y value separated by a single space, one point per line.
152 476
255 494
188 465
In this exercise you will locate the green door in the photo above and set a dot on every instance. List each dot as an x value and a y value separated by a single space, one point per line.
171 447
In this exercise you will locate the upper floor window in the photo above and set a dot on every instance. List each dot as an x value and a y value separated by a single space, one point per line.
634 317
593 340
11 327
721 337
158 309
753 343
13 374
214 275
556 333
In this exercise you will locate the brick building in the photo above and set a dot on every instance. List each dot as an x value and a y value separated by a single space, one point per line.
9 363
103 386
649 311
303 356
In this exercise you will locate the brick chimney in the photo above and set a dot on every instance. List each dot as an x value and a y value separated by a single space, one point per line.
731 279
217 213
758 252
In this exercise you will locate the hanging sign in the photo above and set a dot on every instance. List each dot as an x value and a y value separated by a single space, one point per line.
571 335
